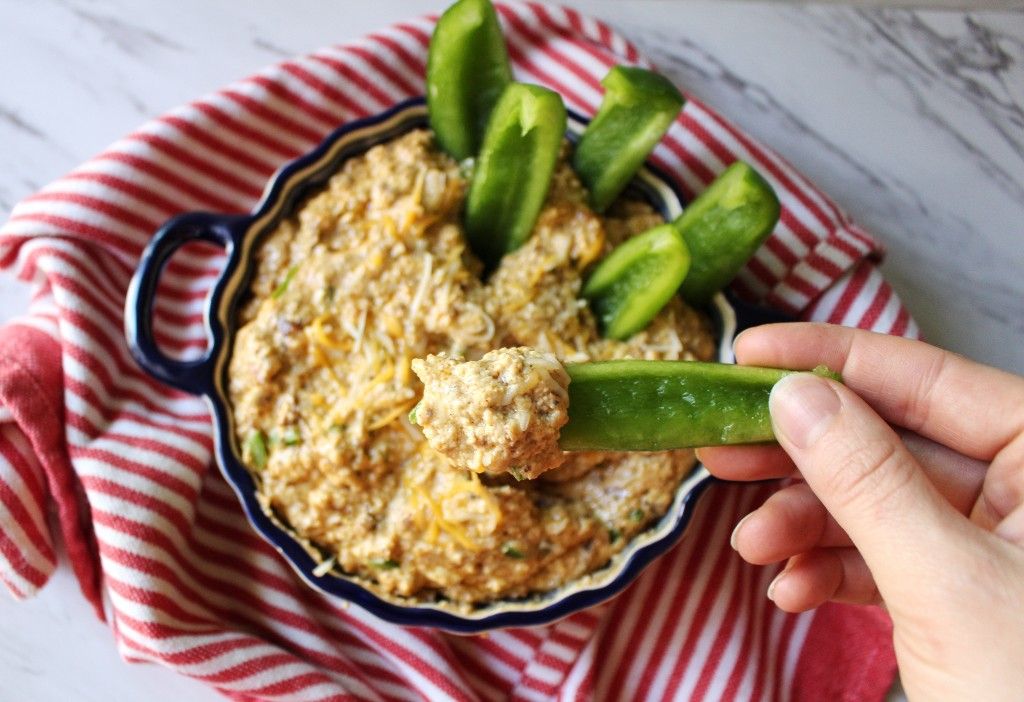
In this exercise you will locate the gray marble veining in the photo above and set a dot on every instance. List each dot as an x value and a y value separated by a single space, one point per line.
134 40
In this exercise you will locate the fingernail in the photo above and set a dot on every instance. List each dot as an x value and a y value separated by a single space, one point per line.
775 581
736 341
736 531
802 406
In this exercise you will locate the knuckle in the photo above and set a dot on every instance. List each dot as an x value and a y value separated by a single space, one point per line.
871 475
919 402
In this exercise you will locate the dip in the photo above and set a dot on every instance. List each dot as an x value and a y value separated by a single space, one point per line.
373 272
501 414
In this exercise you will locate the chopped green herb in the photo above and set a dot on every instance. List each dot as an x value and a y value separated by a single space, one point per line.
386 564
613 535
287 437
413 412
279 290
517 473
511 551
290 436
257 445
637 515
336 427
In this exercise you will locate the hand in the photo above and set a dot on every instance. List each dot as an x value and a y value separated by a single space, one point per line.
929 522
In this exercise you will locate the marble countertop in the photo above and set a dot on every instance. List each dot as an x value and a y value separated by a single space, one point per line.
913 120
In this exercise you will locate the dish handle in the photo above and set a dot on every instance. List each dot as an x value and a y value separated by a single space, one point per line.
195 375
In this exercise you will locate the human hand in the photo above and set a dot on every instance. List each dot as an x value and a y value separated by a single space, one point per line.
929 522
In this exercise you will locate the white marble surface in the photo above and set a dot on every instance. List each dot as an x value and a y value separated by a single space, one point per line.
913 120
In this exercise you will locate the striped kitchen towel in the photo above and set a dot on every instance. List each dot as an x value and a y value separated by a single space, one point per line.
152 528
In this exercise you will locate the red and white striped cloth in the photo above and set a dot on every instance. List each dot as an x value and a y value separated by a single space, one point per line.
151 525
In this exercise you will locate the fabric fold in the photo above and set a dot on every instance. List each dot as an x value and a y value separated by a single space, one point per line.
35 470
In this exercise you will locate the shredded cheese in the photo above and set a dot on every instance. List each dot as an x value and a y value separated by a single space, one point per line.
320 343
384 375
393 326
325 567
391 416
402 369
417 188
325 338
339 412
421 289
407 220
360 330
473 486
489 500
416 201
320 358
488 325
424 223
591 253
414 433
456 532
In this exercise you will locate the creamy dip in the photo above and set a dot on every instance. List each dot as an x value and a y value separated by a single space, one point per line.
501 414
373 272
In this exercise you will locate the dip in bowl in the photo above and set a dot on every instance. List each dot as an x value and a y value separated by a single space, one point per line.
353 265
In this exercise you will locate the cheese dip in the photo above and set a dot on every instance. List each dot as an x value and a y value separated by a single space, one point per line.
373 272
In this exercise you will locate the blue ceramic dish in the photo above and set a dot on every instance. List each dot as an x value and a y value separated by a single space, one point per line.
207 376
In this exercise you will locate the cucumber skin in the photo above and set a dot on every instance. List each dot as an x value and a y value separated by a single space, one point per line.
660 405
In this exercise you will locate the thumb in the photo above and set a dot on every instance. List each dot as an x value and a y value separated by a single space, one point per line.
864 475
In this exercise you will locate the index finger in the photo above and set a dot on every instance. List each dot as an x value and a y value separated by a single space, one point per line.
967 406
